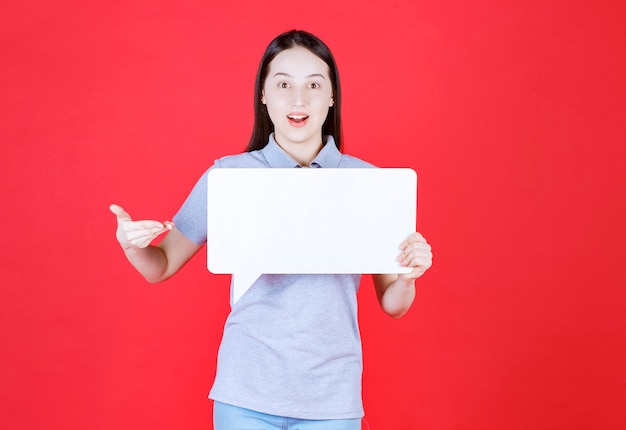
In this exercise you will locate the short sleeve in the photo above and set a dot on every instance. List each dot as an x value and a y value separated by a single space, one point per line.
191 218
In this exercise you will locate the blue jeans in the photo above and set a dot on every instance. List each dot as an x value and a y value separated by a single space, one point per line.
229 417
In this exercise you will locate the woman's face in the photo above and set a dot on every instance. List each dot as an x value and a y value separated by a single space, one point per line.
298 94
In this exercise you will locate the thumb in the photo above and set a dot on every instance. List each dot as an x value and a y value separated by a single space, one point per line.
119 212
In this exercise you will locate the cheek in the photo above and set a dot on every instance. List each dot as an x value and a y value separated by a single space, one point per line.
274 111
274 102
322 106
324 100
273 107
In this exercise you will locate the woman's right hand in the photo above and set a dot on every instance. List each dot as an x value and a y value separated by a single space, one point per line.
137 234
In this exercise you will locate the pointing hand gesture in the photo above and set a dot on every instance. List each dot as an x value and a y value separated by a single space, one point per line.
137 234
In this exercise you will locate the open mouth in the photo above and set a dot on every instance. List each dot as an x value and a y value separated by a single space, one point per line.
297 119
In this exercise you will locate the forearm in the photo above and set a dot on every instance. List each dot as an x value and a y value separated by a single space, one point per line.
395 294
151 262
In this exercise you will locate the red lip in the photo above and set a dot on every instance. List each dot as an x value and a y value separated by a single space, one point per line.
297 119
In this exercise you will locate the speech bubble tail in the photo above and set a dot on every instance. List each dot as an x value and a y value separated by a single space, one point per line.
242 281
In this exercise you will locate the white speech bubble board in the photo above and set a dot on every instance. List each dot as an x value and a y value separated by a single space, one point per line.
273 221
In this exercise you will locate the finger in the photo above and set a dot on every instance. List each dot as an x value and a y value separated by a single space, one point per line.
421 261
418 267
148 232
420 250
143 241
414 237
416 246
119 212
142 238
144 225
415 273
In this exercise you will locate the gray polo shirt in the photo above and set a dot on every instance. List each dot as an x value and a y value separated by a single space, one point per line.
291 344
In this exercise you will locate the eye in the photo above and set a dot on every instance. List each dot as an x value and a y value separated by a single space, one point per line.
314 85
283 85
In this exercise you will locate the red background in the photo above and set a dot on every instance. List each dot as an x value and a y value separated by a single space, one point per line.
512 114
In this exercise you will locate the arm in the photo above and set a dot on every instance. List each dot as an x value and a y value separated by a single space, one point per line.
396 292
155 263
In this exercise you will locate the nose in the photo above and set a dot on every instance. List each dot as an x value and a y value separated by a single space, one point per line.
299 97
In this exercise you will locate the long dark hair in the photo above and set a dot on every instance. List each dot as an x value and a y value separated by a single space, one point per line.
262 124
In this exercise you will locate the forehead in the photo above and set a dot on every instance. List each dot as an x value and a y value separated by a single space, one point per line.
297 62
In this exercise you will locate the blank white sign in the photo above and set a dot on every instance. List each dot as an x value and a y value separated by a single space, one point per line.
307 221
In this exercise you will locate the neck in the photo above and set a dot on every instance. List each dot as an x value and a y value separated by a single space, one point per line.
303 153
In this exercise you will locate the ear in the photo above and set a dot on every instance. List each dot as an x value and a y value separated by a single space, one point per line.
263 97
332 102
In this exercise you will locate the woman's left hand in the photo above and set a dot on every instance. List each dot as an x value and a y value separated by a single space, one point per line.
417 254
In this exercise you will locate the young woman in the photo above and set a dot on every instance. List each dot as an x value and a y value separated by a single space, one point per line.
290 355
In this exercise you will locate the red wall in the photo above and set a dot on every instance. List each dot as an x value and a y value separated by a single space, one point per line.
513 116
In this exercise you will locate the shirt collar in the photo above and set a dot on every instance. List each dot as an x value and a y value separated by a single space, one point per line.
328 157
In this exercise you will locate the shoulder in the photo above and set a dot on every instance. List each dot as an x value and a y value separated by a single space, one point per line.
348 161
243 160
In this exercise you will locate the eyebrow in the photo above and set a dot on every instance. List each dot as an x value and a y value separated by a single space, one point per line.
313 75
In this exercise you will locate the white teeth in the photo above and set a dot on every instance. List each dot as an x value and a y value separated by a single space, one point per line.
297 117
